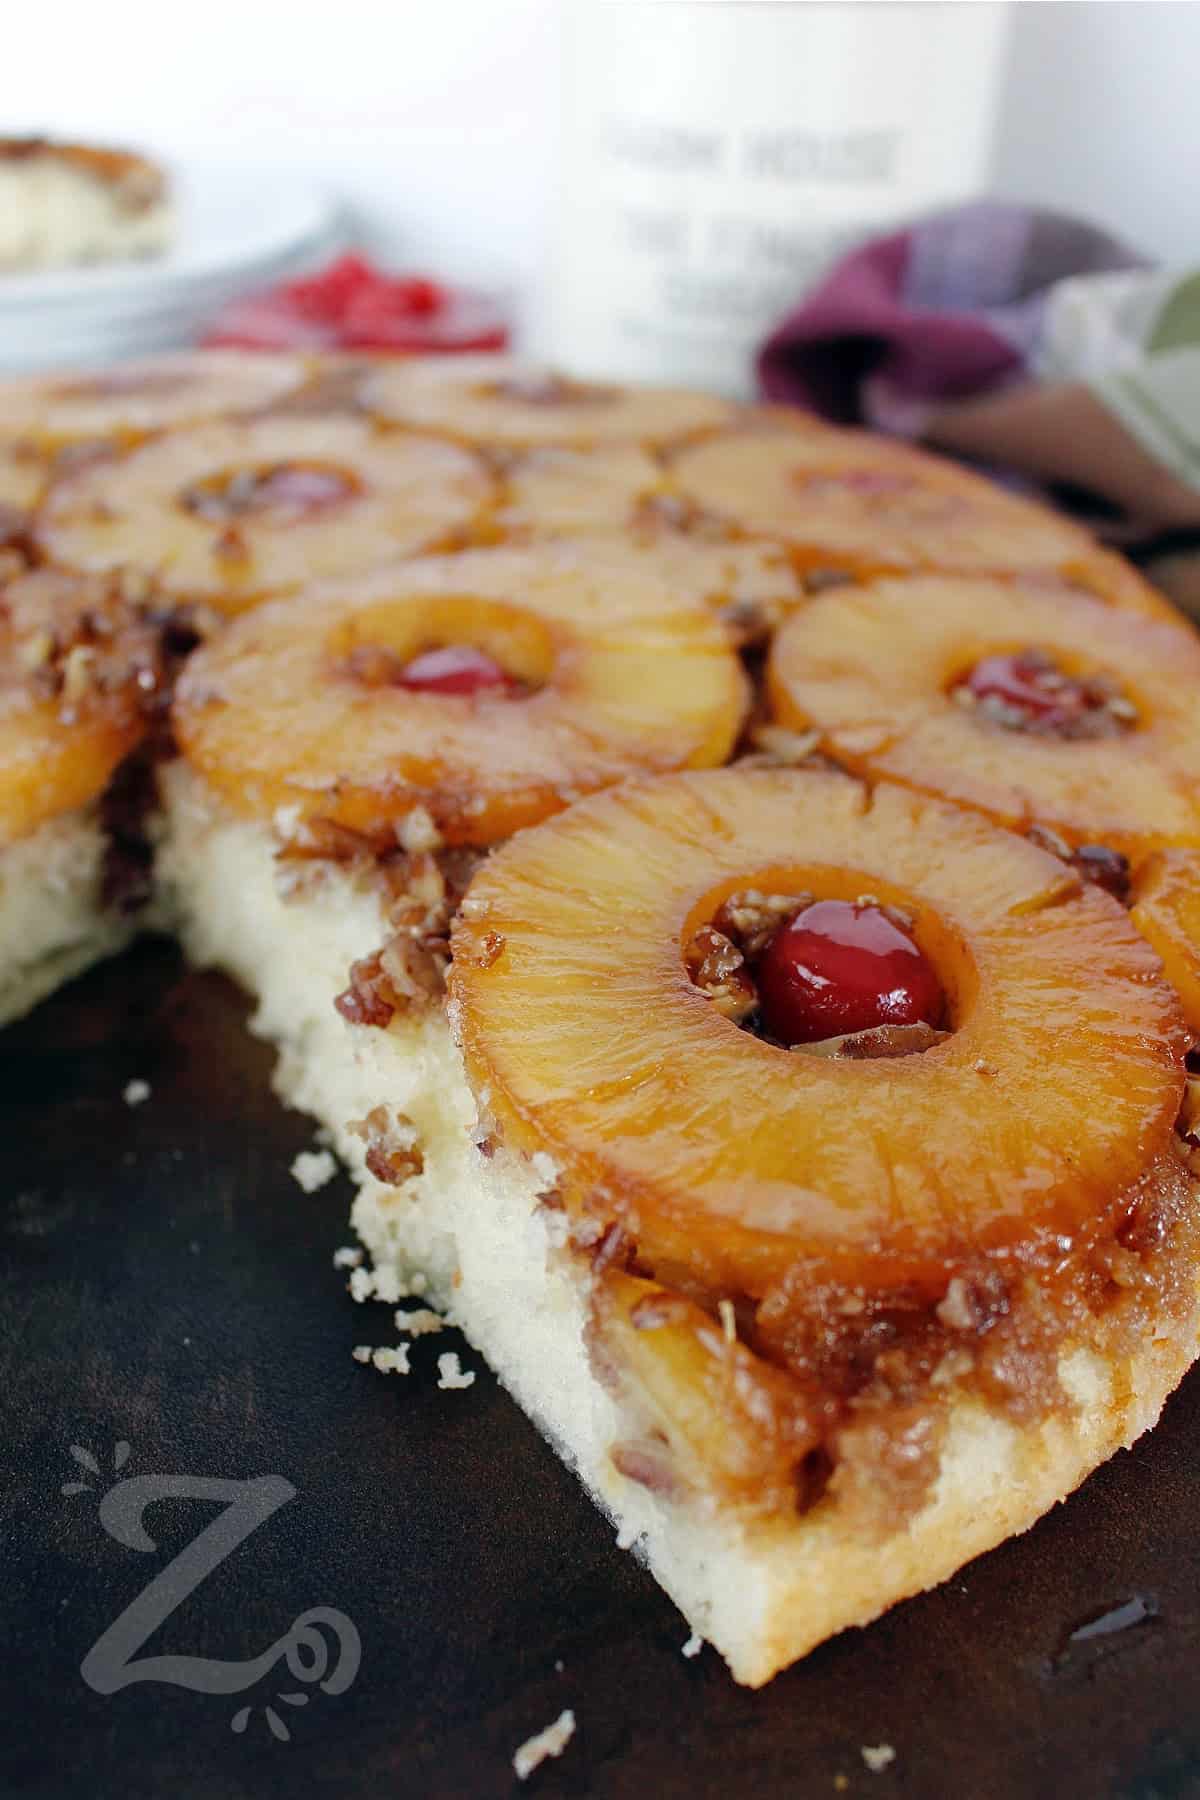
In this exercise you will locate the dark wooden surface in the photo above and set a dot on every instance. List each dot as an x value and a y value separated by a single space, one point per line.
166 1282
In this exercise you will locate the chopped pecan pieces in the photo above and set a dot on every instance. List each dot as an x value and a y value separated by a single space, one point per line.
368 999
751 919
718 968
394 1153
880 1041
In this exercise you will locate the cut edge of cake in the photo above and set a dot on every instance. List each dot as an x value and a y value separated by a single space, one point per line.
54 923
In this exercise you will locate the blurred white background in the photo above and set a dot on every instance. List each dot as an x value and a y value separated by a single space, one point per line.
439 120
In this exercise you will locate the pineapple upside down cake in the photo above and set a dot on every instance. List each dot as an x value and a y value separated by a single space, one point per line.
729 887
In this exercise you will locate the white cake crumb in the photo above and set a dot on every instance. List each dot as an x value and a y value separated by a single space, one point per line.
452 1375
348 1257
627 1537
361 1284
361 1353
544 1744
391 1360
136 1092
313 1168
694 1645
417 832
421 1322
286 820
388 1285
877 1757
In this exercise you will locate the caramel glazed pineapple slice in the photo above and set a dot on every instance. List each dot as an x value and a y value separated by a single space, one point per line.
851 1126
1054 714
348 756
235 511
153 394
83 671
852 504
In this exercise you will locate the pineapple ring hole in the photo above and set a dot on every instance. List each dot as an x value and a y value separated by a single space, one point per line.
548 389
373 645
277 493
157 383
1066 697
784 892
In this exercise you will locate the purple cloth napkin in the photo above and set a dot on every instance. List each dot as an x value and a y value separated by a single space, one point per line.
949 307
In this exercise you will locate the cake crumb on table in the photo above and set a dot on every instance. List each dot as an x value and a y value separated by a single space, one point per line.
694 1645
348 1257
544 1744
135 1092
877 1757
382 1283
313 1168
420 1322
388 1359
452 1375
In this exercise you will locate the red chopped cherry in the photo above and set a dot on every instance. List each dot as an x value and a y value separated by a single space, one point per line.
454 669
840 966
1031 684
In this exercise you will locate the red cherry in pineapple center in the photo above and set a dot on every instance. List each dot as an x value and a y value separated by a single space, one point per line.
454 669
841 966
1032 684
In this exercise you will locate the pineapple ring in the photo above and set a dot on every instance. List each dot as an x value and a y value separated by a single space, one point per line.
57 750
735 1163
848 500
179 388
161 508
498 400
1165 907
626 676
22 476
872 670
556 491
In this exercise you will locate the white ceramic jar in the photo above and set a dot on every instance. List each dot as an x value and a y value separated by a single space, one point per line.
719 154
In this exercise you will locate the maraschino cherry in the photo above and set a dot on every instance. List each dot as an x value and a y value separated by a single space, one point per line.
454 669
841 966
1031 684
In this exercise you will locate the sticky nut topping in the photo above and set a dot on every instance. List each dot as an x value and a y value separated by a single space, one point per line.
96 644
408 972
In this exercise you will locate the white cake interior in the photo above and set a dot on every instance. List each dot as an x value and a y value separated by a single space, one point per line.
52 921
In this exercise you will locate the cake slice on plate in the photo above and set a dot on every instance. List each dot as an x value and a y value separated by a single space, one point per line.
64 203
